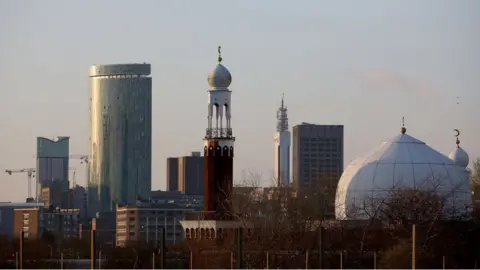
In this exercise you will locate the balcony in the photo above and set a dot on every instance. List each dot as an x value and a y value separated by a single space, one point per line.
219 133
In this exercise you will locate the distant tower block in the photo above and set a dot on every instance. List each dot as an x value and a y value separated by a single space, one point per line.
282 149
217 219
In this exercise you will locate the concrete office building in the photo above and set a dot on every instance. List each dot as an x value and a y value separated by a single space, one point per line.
172 174
120 136
144 222
52 161
190 174
317 154
282 140
185 174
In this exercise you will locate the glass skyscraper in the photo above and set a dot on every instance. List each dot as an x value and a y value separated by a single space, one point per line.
120 135
52 161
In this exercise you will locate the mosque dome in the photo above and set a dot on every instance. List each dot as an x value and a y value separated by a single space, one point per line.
459 156
219 78
399 163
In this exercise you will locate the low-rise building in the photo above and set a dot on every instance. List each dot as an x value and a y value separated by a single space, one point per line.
7 213
146 222
37 221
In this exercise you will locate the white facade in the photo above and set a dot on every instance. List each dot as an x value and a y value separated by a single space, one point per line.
282 139
401 162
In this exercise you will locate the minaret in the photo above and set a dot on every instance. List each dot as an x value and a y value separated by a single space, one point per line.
217 220
218 144
282 149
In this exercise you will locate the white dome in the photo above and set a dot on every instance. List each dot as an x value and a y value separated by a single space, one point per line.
402 162
459 157
219 78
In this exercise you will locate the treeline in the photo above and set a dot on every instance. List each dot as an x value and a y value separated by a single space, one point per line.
291 231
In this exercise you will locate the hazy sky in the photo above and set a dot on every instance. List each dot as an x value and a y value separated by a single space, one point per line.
364 64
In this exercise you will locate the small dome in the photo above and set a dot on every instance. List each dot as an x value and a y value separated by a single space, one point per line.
459 157
220 77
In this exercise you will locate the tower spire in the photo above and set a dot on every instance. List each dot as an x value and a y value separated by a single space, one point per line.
282 117
403 126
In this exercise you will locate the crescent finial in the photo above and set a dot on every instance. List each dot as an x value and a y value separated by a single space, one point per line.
219 54
456 135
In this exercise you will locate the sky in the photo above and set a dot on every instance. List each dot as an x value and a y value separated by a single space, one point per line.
364 64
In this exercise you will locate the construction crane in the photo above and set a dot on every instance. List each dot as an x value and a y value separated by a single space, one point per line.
30 173
83 160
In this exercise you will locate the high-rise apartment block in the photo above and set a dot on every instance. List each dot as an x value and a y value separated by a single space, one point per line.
120 135
317 155
186 174
52 161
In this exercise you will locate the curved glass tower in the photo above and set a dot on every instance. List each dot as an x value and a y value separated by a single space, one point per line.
120 135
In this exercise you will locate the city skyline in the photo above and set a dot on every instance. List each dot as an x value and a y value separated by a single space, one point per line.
412 60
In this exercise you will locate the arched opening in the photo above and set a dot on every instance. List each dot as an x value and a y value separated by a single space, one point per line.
217 116
227 117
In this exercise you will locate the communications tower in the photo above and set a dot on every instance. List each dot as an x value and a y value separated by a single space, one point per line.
282 149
